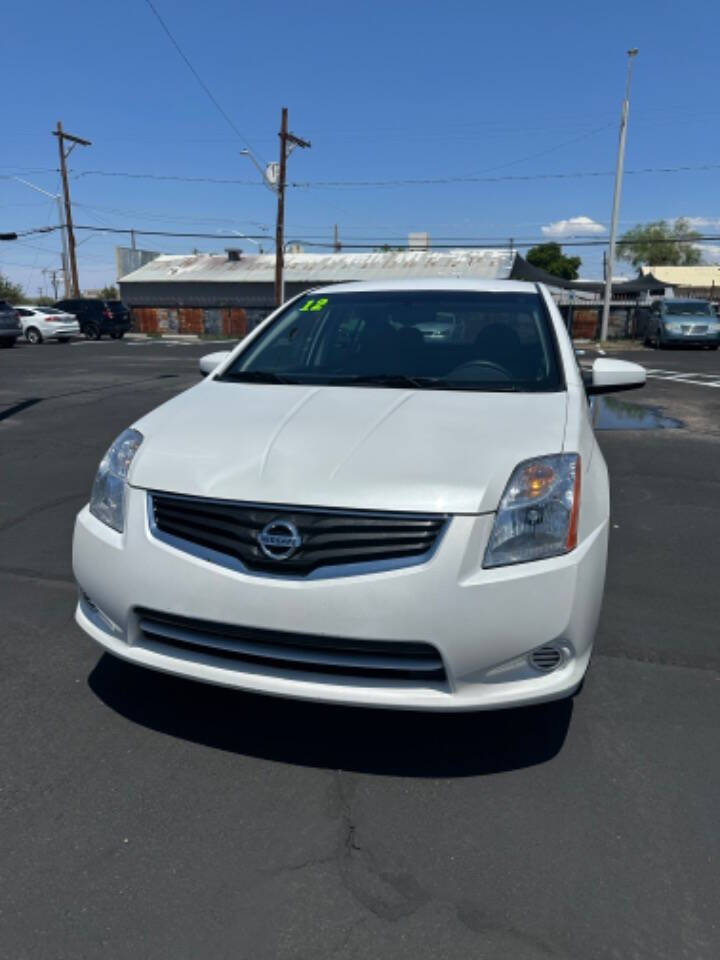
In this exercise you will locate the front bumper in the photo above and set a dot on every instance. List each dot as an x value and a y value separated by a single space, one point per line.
675 338
476 619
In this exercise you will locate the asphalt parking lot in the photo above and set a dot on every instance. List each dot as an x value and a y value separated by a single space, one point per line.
146 816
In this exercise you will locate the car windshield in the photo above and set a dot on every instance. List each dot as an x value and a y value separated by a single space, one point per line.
687 308
446 340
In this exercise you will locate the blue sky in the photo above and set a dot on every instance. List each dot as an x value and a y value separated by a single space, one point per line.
385 91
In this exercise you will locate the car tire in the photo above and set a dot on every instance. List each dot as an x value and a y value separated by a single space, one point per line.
92 331
6 343
33 335
117 334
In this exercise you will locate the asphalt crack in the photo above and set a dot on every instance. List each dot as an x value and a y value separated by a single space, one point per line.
369 873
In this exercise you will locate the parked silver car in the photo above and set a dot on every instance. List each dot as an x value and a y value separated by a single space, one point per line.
675 322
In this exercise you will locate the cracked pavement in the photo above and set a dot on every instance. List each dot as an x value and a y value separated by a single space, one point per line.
147 816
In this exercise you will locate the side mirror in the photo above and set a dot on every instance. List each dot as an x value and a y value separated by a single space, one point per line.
211 361
611 376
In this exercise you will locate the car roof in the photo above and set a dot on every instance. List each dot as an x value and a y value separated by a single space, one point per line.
467 285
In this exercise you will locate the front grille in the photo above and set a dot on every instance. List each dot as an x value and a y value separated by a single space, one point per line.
315 539
417 664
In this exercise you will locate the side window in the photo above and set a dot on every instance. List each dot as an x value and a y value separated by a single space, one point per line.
23 312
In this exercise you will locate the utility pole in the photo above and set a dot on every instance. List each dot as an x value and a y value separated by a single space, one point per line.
285 139
337 246
53 280
632 53
62 137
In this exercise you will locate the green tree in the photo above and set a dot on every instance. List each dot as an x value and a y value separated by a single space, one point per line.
110 292
549 257
12 292
660 243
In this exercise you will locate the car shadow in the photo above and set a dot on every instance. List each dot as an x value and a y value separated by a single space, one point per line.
385 742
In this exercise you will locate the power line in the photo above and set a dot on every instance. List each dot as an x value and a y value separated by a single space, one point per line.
450 244
407 182
197 76
163 176
433 181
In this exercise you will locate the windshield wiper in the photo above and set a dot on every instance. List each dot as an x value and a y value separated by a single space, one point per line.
388 380
427 383
256 376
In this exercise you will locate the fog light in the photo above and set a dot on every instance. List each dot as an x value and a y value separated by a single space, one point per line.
546 658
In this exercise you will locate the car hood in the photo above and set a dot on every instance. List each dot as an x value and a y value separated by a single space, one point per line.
353 447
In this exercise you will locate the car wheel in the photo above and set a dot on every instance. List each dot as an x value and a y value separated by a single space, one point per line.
714 346
33 335
117 334
92 331
6 343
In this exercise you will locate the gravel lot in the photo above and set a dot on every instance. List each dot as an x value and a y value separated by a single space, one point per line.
146 816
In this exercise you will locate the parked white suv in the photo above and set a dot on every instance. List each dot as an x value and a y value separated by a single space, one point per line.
350 508
47 323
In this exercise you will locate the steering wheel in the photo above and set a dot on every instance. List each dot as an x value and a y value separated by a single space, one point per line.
470 364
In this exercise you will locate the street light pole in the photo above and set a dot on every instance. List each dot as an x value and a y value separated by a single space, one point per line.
632 53
63 235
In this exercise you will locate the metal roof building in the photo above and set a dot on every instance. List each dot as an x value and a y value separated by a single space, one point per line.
247 280
229 294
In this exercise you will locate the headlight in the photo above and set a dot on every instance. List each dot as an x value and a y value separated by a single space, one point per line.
108 492
538 514
673 327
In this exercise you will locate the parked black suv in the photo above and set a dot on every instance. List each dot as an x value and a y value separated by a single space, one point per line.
97 317
10 326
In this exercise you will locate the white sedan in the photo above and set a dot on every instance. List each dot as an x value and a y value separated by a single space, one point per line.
351 509
47 323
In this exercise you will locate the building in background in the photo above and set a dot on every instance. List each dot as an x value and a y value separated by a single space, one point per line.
128 259
229 295
702 282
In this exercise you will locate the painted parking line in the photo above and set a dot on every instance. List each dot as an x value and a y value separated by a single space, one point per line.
678 376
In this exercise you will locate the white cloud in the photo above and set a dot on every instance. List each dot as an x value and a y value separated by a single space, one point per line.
574 227
699 222
710 252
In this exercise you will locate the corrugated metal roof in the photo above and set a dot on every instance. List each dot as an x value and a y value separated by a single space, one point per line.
327 267
686 276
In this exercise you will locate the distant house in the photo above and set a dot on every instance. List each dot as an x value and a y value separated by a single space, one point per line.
702 281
